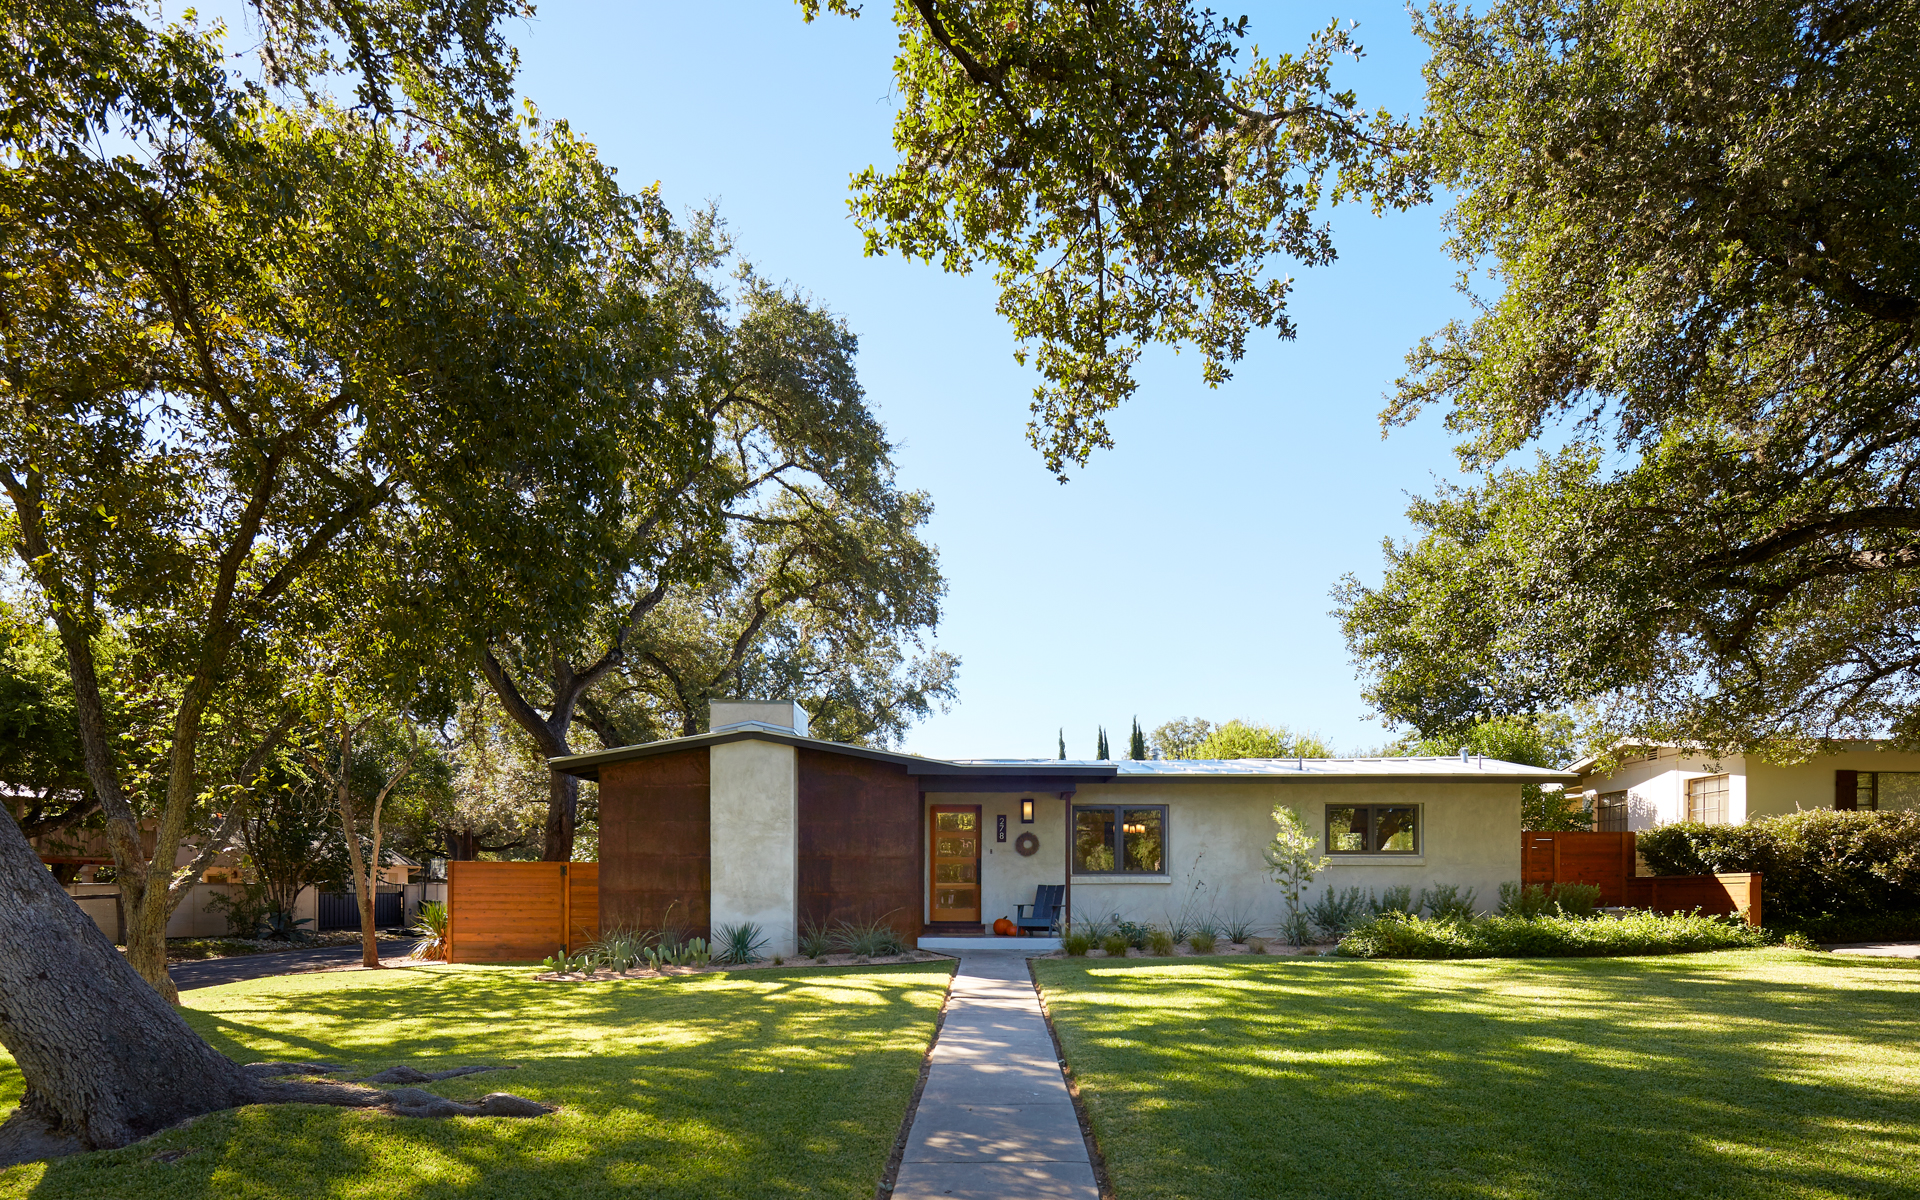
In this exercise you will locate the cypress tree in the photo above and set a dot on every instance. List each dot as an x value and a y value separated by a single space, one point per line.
1137 744
1063 743
1102 753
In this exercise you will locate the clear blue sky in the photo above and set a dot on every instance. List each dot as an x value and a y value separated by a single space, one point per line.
1185 572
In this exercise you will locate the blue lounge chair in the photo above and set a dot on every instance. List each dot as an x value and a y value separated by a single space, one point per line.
1043 915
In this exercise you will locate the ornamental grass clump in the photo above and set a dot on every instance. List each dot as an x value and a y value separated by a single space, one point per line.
1202 942
1076 943
1160 942
1115 945
1404 935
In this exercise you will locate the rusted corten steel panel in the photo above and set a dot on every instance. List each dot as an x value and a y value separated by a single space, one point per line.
654 828
860 842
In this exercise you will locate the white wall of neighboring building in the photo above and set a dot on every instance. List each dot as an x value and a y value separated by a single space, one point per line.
1657 788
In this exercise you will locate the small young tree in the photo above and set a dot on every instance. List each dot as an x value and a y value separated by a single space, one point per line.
1137 744
1294 858
339 775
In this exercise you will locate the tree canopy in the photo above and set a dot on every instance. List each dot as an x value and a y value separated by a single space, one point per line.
1699 222
1188 737
1132 173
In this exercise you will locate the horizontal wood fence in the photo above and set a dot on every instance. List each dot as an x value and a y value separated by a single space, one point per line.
1609 862
520 911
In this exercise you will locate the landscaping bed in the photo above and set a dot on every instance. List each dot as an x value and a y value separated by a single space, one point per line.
1402 935
726 1084
1762 1074
604 974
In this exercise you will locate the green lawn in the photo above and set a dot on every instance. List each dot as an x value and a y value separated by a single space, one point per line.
757 1084
1766 1073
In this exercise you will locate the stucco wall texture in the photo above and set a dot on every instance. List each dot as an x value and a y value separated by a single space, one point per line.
1657 788
1216 831
755 858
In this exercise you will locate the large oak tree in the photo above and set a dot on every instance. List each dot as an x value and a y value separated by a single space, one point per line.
1700 219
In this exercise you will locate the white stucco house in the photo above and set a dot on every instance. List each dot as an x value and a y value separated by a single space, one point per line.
756 821
1660 784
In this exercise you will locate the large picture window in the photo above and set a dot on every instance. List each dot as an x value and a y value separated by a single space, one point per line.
1888 791
1110 839
1373 829
1707 800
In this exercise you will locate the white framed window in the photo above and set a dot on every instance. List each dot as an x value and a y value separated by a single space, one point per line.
1708 798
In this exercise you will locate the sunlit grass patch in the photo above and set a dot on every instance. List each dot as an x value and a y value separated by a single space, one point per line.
761 1083
1737 1074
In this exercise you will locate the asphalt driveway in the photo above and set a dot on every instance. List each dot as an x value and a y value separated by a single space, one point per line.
211 972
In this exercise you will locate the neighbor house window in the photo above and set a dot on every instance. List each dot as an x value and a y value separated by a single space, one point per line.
1707 800
1119 839
1890 791
1373 829
1611 816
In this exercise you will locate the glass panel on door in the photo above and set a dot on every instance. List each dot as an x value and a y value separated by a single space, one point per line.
955 875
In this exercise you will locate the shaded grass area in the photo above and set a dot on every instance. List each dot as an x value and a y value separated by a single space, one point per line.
765 1083
1767 1073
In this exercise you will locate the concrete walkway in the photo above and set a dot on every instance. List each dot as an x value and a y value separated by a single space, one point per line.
995 1121
1877 949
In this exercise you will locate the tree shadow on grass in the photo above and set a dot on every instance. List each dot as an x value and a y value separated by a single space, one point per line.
755 1084
1770 1074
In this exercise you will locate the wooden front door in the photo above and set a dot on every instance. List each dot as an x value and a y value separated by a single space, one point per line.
955 870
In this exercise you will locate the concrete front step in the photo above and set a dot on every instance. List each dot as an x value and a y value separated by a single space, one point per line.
974 945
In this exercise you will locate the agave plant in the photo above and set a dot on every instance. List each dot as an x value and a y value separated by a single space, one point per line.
431 926
816 940
739 944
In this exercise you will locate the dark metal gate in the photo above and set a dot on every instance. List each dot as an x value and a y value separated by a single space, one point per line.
341 910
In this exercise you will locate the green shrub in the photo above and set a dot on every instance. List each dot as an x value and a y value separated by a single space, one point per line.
1393 900
1834 875
1799 941
1160 942
1202 942
1400 935
1134 934
1337 912
1114 945
1446 902
1076 943
1257 944
1576 899
1530 901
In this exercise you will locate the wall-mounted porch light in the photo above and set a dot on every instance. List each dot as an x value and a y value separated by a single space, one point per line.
1026 812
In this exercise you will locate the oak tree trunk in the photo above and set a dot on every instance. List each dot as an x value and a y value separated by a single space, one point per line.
107 1060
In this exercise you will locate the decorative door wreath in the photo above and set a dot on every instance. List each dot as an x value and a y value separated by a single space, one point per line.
1026 844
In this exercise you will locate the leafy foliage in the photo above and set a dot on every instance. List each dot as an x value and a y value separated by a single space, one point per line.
1821 871
1404 935
1536 740
1334 913
1188 737
1128 176
1446 902
1698 218
1293 858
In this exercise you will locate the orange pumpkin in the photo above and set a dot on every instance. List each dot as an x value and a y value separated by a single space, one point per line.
1003 927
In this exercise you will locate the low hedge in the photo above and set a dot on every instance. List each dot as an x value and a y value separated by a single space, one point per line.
1823 872
1397 935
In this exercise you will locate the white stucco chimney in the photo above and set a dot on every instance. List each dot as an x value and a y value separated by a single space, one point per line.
726 713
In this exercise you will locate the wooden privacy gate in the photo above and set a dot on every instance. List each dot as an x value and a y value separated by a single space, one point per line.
1610 861
520 911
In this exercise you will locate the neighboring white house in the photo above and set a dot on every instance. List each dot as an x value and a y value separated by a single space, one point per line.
1658 785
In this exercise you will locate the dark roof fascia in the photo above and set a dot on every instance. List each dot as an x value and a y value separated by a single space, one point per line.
1030 776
